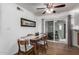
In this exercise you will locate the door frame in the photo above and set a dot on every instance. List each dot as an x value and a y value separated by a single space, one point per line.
54 29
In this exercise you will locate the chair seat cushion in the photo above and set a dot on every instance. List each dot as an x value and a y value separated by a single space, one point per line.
41 42
28 47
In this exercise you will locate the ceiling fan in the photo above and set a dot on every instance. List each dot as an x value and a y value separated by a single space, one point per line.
50 7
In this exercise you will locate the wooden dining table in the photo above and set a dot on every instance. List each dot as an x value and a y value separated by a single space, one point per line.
34 39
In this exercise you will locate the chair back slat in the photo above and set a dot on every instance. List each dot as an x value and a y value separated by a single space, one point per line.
22 43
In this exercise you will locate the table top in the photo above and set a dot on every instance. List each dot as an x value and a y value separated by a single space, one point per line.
33 37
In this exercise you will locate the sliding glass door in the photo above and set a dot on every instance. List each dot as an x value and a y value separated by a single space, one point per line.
56 30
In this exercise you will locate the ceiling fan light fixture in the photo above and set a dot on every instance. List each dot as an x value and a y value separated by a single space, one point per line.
49 10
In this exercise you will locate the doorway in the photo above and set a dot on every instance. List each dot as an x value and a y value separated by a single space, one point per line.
56 30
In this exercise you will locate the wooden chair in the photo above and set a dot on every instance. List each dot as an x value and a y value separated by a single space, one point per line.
25 48
43 45
30 34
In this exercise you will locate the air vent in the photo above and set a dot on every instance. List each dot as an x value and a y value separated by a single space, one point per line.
18 8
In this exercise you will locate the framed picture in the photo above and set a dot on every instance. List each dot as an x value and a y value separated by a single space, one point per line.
27 23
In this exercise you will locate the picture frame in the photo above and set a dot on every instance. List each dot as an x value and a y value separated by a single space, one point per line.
27 23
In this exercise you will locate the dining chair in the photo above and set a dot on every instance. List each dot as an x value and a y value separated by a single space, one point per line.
43 44
30 34
25 48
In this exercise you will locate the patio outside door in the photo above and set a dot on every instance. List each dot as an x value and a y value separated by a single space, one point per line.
56 30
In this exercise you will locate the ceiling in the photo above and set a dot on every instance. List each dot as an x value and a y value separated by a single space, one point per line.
32 7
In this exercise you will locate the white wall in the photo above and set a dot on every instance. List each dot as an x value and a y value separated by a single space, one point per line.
0 20
11 29
75 25
75 18
39 24
74 40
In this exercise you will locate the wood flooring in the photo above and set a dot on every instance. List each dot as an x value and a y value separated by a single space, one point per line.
60 49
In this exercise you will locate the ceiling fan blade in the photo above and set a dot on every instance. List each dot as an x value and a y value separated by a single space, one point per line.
44 12
40 8
62 5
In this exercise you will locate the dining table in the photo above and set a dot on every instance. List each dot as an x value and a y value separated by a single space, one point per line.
34 39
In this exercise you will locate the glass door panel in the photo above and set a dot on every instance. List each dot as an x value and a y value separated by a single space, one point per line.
60 30
49 29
